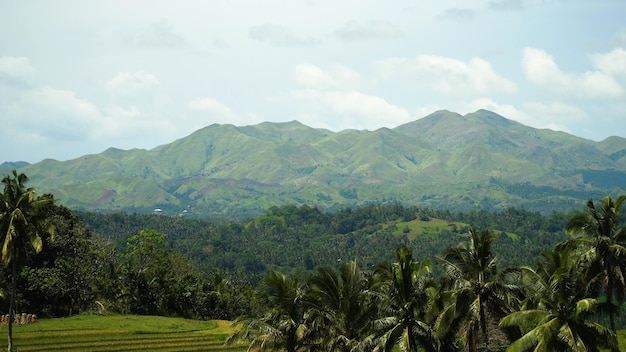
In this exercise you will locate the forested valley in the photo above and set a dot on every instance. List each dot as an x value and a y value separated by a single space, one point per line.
357 279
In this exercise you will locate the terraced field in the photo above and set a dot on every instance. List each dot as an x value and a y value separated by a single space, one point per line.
122 333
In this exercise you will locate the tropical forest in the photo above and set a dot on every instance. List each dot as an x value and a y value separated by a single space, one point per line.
377 277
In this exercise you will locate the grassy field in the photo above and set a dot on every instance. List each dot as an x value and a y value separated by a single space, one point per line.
121 333
433 226
131 333
419 227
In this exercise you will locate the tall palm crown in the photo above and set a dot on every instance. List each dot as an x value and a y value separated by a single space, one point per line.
406 293
23 220
341 310
602 240
556 314
282 328
472 288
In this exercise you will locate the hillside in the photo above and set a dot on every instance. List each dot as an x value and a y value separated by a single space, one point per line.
444 160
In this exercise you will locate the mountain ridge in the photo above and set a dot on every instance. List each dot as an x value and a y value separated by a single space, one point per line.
443 160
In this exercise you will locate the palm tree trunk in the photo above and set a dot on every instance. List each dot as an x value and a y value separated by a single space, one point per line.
412 342
12 305
473 337
483 324
609 300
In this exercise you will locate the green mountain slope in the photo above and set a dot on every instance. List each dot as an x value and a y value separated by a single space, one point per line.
444 160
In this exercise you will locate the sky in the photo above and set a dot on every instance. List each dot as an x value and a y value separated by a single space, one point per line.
78 77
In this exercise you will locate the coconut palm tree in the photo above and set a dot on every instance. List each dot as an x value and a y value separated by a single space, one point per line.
282 328
602 240
340 306
405 290
23 220
472 289
555 315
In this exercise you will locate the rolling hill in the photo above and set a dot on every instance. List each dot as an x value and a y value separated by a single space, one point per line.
444 160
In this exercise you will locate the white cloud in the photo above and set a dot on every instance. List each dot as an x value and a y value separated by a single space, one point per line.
556 116
613 63
354 109
541 69
506 110
57 114
210 110
129 84
354 30
60 116
128 127
211 106
277 35
557 111
335 77
16 66
125 114
448 76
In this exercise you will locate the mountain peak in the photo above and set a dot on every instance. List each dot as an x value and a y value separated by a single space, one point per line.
437 118
489 117
284 131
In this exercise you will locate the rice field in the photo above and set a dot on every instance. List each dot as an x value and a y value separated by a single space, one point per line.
121 333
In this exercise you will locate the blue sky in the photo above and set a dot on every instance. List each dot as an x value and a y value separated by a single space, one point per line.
77 77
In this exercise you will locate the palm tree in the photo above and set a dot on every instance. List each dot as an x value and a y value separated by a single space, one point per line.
603 243
340 306
23 220
472 288
554 317
405 295
283 326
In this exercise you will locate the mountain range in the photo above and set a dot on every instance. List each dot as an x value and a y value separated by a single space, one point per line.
445 160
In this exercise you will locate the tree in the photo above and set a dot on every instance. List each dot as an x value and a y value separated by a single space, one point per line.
404 290
603 242
340 309
23 220
283 326
153 274
473 288
555 315
67 276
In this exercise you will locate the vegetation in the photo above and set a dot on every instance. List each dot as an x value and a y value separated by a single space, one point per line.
298 239
22 223
84 333
551 307
603 242
352 280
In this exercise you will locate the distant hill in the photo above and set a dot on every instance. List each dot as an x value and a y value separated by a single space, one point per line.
8 167
444 160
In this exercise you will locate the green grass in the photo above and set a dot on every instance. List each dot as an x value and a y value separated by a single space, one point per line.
420 228
434 226
121 333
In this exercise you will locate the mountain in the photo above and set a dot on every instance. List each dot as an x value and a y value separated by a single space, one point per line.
444 160
8 167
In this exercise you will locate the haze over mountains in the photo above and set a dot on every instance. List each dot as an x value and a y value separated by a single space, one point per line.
445 160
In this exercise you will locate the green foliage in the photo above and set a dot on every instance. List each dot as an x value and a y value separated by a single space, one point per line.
23 223
556 314
295 239
334 288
